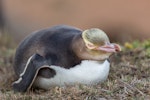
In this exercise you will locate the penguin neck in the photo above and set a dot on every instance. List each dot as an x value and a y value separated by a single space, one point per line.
80 49
78 46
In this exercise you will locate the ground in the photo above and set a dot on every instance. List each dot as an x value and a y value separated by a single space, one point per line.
129 78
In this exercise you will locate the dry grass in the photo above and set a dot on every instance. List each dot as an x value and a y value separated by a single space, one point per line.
129 79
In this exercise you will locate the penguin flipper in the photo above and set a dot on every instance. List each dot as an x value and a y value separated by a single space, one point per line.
27 77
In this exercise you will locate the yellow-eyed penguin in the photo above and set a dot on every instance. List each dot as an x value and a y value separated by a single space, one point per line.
62 55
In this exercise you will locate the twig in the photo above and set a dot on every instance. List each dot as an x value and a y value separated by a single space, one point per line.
129 86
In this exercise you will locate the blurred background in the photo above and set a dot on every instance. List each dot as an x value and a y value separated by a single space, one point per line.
122 20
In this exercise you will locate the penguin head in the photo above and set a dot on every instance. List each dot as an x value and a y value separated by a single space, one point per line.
97 45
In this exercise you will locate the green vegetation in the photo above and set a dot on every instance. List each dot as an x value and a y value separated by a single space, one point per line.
145 45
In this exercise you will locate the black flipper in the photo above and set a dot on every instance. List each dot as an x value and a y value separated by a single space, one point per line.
27 77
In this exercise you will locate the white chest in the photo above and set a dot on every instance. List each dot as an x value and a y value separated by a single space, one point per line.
88 72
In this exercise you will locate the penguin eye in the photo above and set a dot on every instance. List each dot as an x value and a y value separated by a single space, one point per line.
107 43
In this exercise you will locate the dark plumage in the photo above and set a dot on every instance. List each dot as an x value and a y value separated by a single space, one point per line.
52 43
45 54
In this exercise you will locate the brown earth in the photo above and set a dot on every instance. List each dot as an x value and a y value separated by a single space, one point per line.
122 20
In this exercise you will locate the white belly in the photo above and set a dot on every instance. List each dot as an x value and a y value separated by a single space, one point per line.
88 72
